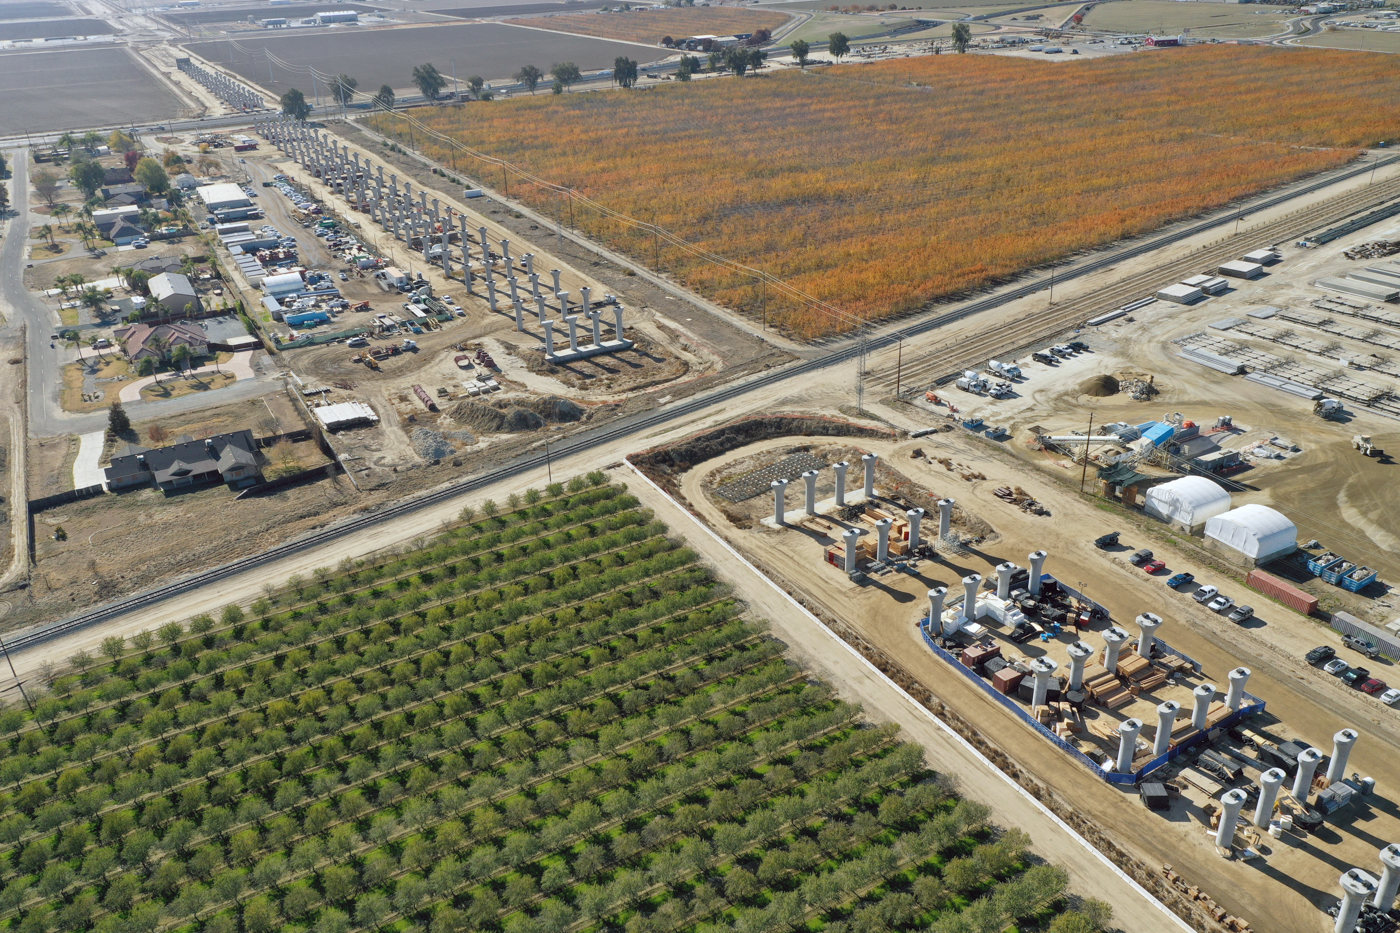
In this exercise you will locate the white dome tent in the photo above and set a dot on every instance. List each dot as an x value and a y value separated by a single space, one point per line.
1255 534
1187 503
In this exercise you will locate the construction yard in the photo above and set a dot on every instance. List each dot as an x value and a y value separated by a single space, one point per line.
1294 876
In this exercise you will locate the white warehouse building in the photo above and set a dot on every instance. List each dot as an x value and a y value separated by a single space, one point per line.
1187 503
1253 534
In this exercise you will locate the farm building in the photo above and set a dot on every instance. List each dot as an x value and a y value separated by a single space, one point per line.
1253 534
226 201
281 286
337 16
1187 503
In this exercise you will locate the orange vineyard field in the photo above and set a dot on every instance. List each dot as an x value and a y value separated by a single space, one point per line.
881 188
651 26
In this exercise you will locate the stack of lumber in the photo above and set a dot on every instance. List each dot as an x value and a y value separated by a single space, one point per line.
1105 688
1140 672
1221 916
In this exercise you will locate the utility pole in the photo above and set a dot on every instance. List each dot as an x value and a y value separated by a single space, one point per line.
899 366
860 371
1052 287
1084 475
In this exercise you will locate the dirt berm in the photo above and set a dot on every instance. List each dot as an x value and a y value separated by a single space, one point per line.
661 463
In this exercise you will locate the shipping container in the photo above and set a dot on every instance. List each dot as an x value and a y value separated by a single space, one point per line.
1289 595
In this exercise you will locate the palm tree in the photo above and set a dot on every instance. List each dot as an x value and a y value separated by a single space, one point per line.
88 232
46 231
120 273
61 211
95 299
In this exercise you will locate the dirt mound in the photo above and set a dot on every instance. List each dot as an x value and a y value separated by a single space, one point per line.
515 415
1099 386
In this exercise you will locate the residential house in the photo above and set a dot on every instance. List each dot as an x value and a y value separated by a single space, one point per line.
120 175
125 232
175 292
108 218
135 193
139 341
228 458
186 182
155 265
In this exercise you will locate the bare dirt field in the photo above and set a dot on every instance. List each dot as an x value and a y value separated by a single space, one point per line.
75 89
1167 17
386 56
229 14
1360 40
33 9
1299 873
651 26
48 29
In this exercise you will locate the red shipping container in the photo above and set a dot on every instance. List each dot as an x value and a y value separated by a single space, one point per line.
1286 593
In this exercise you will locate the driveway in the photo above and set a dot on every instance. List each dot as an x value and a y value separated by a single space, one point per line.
241 366
86 469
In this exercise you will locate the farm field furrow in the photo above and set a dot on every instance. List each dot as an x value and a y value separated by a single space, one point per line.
651 27
71 89
883 188
375 57
549 718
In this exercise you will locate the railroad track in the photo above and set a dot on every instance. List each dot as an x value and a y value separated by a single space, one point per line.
1010 339
992 342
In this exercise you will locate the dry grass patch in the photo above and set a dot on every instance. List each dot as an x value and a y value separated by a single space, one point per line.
178 386
882 188
115 368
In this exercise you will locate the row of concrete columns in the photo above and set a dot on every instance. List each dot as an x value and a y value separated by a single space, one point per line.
779 487
400 216
231 92
394 209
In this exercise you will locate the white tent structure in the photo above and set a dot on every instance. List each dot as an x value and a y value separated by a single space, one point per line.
1255 534
1187 503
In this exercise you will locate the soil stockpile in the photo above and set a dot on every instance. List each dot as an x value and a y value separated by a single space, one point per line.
510 416
1099 386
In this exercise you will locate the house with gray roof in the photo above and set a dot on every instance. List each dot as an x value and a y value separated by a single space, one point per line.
228 458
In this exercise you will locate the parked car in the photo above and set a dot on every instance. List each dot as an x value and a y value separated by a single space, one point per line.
1356 677
1106 541
1241 614
1390 697
1320 654
1141 557
1180 580
1360 644
1078 345
1374 686
1041 357
1205 593
1336 667
344 277
1153 566
1221 603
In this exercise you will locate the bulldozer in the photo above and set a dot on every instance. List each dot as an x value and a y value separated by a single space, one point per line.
1362 442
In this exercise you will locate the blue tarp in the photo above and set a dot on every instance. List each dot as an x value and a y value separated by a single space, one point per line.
307 318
